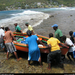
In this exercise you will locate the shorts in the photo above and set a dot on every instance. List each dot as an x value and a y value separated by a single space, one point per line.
10 47
54 55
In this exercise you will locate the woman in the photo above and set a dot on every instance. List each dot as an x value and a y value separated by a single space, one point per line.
34 52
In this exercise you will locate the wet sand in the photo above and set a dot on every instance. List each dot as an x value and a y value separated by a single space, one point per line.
65 21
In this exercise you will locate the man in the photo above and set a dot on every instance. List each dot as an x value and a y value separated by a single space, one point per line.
2 33
58 33
29 27
71 45
55 52
17 28
9 43
34 51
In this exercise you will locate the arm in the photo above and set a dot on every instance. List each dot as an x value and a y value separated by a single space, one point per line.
11 34
40 42
63 45
74 40
48 47
21 31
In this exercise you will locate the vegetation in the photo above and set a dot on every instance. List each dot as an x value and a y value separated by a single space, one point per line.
25 4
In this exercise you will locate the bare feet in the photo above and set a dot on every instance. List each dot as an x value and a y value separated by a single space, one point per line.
48 68
7 58
19 59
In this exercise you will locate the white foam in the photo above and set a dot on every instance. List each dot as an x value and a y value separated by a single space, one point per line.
25 15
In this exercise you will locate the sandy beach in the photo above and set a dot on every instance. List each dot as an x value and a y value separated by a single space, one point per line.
65 21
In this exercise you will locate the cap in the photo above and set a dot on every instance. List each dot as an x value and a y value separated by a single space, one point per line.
55 25
26 23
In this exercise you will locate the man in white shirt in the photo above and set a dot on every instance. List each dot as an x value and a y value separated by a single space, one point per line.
2 33
71 45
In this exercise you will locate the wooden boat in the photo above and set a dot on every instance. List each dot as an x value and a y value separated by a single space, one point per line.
23 47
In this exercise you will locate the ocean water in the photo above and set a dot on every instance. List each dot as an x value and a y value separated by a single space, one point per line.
8 18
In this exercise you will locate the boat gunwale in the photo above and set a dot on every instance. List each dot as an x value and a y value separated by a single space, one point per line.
37 35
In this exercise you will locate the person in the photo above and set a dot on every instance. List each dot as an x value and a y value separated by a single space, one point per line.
58 33
71 45
71 36
74 34
55 52
34 51
9 43
29 27
2 34
17 28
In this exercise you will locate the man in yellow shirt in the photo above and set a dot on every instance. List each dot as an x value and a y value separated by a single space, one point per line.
55 52
29 27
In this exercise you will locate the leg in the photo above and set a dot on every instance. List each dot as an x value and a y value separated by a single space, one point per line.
49 66
40 62
59 59
49 61
28 62
72 56
7 55
16 56
68 55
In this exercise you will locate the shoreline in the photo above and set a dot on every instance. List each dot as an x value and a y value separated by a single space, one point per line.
64 19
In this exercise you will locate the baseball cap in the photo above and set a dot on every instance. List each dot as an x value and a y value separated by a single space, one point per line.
26 23
55 25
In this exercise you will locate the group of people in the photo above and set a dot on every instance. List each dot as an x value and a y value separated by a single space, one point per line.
34 52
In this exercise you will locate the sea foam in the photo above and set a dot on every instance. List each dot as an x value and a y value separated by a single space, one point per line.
24 16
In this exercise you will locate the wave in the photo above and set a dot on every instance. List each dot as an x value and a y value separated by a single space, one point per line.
28 12
59 9
24 16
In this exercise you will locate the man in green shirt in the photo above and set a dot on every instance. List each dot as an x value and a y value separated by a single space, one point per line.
58 33
17 28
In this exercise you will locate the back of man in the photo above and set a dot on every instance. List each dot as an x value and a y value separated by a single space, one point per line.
18 29
55 52
30 27
8 36
54 44
58 34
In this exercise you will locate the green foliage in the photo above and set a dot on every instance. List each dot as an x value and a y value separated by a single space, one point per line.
30 3
69 3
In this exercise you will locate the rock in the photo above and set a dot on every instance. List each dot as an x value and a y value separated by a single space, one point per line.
32 19
70 15
51 16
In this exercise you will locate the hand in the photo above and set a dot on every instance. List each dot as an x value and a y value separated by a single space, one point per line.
15 41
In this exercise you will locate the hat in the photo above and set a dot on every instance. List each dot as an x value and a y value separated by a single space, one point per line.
26 23
55 25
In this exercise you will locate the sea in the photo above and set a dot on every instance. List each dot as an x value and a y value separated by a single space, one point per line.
8 18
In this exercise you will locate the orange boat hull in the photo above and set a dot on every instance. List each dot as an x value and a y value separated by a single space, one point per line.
23 47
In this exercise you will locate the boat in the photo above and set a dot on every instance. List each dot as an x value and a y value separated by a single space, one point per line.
23 47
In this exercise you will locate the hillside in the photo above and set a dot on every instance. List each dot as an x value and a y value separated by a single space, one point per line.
69 3
25 4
